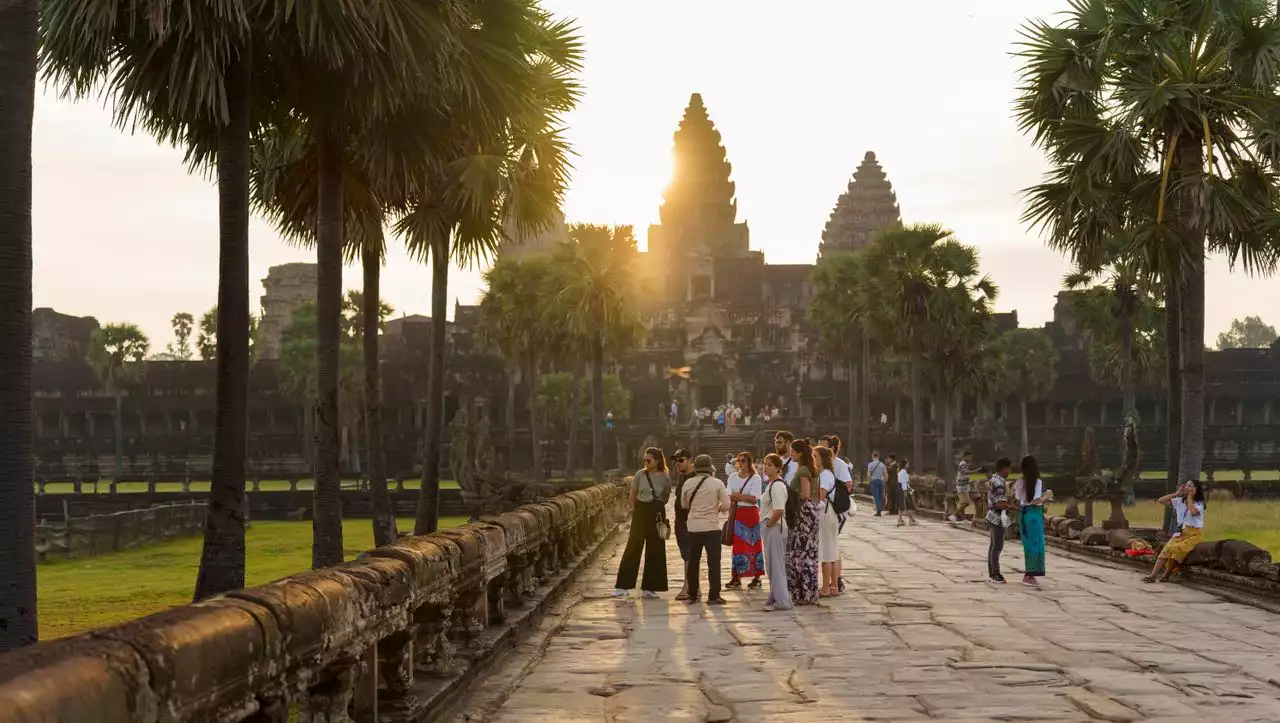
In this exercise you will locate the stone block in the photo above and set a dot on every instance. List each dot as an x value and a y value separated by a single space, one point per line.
77 679
1093 536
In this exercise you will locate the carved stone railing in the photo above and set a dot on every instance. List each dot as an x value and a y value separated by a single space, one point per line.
383 638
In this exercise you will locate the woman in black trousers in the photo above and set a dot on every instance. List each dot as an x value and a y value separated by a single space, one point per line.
650 489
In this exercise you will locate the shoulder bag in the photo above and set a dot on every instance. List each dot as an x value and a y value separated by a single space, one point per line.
726 533
664 527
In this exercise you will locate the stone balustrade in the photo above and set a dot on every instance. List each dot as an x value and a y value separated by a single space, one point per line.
384 638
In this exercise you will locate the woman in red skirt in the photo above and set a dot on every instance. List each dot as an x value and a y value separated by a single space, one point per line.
748 548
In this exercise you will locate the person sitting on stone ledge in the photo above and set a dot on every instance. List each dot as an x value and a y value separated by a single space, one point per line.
1188 502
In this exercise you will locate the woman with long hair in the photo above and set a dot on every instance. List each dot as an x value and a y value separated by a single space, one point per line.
802 542
1029 492
650 488
1188 502
748 548
828 521
773 507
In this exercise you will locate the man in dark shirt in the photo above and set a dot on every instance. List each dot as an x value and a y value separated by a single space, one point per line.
682 464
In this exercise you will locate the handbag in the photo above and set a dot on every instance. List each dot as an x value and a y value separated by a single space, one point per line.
664 527
726 533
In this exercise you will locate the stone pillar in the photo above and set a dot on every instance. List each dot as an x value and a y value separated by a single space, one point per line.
1213 412
1075 414
142 424
1266 412
1102 414
38 418
1240 411
168 423
64 424
191 420
91 427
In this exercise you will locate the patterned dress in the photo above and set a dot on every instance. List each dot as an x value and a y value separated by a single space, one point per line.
802 547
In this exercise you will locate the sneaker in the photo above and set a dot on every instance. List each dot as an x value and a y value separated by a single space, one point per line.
877 515
902 522
649 595
995 581
913 522
952 518
755 584
682 595
1030 582
734 584
770 608
840 584
1002 580
715 601
691 600
619 593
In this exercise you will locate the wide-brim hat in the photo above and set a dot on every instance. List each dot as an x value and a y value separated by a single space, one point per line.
702 464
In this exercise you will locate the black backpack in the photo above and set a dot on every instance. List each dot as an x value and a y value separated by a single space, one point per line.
840 499
791 512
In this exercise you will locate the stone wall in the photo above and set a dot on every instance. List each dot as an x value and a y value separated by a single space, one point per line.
395 636
77 537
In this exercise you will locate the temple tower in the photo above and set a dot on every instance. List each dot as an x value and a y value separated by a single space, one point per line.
867 206
698 213
286 287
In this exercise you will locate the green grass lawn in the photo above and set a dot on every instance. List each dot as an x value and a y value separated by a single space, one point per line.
1256 521
78 595
269 485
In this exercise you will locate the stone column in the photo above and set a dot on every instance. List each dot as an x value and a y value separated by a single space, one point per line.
92 428
1075 414
1102 414
142 424
191 419
1240 411
64 424
168 423
1213 412
38 418
1266 412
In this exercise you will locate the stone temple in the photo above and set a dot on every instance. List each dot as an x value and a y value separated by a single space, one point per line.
712 304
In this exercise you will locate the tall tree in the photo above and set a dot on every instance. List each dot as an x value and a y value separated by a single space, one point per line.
919 270
18 41
597 270
1250 332
840 309
183 324
1030 370
116 353
496 158
1158 120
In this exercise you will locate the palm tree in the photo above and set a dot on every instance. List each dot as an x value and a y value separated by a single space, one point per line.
1030 364
116 353
1158 119
920 270
597 270
18 41
495 157
839 309
512 318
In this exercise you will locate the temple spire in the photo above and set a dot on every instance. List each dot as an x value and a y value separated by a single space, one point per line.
867 207
700 199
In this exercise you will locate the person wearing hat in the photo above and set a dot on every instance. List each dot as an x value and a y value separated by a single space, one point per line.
682 463
705 498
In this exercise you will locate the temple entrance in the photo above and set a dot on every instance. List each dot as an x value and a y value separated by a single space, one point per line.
710 395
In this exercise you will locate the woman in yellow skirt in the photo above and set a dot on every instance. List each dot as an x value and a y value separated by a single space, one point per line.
1188 503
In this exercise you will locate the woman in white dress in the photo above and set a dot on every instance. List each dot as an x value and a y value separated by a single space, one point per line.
829 524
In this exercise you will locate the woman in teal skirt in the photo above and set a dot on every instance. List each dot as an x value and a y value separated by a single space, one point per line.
1030 495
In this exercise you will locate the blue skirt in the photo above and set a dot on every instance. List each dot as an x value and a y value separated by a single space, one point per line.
1031 523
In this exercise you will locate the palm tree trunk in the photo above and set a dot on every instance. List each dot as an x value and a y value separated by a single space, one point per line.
917 416
511 415
855 438
384 518
117 424
945 469
535 428
18 22
1173 380
1191 452
864 424
1026 442
223 554
428 519
326 525
1126 366
597 407
575 413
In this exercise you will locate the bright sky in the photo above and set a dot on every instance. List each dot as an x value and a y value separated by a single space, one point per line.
124 234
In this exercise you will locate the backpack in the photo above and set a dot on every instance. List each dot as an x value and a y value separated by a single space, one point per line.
840 499
791 512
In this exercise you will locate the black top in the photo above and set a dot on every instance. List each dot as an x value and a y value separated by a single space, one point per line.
682 515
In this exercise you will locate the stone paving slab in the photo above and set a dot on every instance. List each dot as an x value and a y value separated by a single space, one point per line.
918 636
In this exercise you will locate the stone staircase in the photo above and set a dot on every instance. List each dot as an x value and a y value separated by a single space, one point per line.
719 445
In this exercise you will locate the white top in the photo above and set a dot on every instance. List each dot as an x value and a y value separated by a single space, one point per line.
705 509
877 470
842 471
774 498
827 481
1185 517
1020 491
728 469
904 479
791 467
752 487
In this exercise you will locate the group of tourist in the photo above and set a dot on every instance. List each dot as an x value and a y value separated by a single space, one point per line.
784 518
785 514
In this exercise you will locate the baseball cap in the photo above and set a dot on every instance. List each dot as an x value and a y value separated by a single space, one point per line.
680 454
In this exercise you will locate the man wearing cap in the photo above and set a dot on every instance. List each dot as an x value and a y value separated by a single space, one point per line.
705 498
682 462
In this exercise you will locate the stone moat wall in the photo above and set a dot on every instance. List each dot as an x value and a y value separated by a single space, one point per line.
78 537
394 636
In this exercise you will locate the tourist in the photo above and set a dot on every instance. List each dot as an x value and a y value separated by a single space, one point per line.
682 461
674 410
720 419
650 489
730 464
608 420
828 523
877 472
1188 502
773 505
802 542
782 440
962 487
907 503
748 550
705 497
997 518
1029 491
891 481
